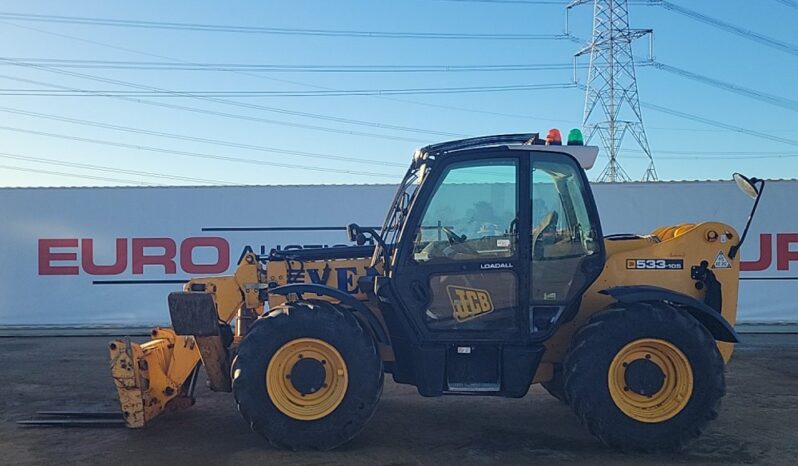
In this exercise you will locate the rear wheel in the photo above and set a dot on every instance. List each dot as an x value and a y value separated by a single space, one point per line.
308 376
644 378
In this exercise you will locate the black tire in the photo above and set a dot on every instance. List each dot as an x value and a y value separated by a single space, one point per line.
588 363
334 326
556 386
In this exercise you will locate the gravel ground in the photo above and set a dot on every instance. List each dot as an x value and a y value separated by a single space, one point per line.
758 423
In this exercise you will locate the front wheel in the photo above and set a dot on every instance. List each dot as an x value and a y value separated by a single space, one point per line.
308 376
644 378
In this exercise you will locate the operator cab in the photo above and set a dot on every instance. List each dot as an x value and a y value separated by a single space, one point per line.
494 241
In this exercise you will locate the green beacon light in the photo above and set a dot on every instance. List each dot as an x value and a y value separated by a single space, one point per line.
575 138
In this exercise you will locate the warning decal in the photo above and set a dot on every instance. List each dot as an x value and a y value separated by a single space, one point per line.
721 262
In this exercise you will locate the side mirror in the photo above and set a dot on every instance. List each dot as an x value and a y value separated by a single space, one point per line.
352 230
753 188
355 234
747 185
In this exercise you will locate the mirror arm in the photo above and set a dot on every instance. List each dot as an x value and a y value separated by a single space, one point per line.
353 229
734 249
385 253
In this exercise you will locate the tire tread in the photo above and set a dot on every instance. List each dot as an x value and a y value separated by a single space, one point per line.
581 392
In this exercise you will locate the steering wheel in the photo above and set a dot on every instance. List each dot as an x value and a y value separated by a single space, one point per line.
453 237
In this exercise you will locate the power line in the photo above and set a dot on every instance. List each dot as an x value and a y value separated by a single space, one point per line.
110 169
722 154
282 68
518 2
426 104
408 101
307 154
262 93
681 159
259 76
745 154
780 101
544 2
194 154
260 107
789 3
236 116
75 175
715 123
270 30
713 130
777 100
703 154
568 122
237 104
707 121
154 55
248 105
742 32
86 41
154 91
718 155
240 104
97 124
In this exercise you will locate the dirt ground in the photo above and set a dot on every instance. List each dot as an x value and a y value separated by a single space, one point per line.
758 423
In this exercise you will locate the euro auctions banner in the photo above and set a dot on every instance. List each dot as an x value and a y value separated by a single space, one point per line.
109 256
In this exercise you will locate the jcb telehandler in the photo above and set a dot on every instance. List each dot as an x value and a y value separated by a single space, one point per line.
489 274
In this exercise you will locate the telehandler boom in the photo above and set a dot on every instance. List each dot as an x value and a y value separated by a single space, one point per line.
489 274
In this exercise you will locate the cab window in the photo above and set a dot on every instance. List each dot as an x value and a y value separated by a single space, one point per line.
562 234
471 214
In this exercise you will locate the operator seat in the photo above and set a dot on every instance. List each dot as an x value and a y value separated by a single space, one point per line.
547 226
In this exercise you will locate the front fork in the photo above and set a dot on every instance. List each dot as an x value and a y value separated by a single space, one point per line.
160 374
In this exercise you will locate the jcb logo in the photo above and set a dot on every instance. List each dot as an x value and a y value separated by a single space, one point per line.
468 303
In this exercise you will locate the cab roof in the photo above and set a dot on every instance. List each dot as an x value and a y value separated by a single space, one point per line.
585 155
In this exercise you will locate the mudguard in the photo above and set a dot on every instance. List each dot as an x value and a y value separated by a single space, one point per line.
708 317
345 298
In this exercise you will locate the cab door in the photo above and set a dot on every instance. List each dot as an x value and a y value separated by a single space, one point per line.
460 270
567 250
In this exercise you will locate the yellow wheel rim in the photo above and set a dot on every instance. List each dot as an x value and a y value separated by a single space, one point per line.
315 395
648 401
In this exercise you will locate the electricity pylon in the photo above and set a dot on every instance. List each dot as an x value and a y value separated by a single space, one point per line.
612 106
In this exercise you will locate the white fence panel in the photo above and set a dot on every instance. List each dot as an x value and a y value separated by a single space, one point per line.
109 256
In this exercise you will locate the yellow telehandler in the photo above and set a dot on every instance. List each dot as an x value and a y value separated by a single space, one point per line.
489 274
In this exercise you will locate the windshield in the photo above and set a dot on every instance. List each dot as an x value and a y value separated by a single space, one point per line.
399 208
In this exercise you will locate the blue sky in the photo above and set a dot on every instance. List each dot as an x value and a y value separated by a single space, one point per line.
682 149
